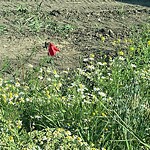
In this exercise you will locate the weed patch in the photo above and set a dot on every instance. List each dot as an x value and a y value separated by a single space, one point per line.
101 105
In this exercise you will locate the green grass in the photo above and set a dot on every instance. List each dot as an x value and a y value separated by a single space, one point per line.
101 105
25 21
2 29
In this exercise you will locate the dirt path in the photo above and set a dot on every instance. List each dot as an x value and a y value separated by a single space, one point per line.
80 24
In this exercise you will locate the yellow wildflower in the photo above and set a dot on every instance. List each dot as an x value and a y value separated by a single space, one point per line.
121 53
93 114
104 63
10 102
4 97
106 129
131 49
11 138
102 38
68 133
55 72
126 41
69 137
58 86
16 95
79 139
19 124
10 95
92 55
48 94
60 130
119 41
130 41
114 43
104 115
148 43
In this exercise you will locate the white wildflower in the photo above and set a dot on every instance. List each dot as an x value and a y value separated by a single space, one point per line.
48 79
91 67
17 84
48 70
40 77
133 65
102 94
41 70
1 81
121 58
96 89
85 59
30 65
101 64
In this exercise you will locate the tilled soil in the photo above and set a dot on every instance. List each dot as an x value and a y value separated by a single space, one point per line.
83 23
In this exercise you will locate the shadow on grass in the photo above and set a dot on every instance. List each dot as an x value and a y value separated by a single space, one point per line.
136 2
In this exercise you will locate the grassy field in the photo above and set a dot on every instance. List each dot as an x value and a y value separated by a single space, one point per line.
100 105
103 103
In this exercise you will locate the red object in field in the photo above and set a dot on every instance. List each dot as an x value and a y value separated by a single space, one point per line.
52 49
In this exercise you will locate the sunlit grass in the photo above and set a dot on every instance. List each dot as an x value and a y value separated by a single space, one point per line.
101 105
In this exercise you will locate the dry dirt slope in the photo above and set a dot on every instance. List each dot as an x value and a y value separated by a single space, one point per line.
89 19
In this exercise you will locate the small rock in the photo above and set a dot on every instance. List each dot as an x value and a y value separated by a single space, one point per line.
55 13
99 20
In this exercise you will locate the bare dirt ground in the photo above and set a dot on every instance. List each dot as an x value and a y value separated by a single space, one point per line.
74 26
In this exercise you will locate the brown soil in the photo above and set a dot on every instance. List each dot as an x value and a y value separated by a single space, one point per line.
88 18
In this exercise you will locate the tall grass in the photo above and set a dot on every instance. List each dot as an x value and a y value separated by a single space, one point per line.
101 105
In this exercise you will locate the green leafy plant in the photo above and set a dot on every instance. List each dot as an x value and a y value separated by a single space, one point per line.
2 29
